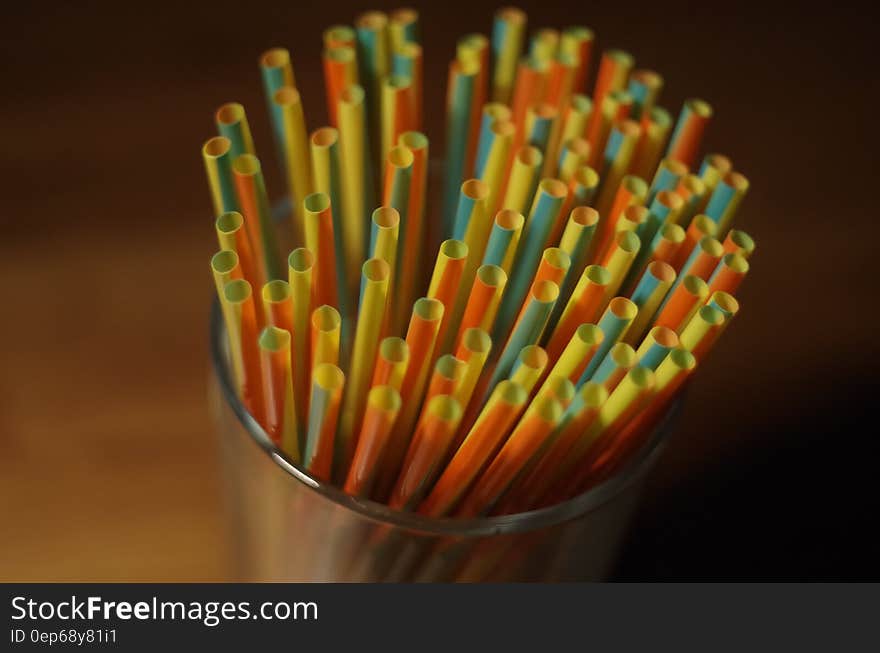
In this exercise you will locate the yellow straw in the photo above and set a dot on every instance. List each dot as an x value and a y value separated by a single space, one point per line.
326 323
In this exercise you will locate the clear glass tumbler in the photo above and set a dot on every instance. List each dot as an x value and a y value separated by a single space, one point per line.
288 526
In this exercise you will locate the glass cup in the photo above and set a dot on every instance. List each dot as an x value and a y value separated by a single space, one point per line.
288 526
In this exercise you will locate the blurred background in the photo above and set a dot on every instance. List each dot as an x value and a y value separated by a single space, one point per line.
107 454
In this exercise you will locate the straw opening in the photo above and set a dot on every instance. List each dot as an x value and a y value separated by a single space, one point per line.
662 271
664 336
275 58
217 146
354 94
530 156
246 164
635 185
725 301
598 275
534 357
400 157
683 359
301 260
628 241
545 291
670 199
237 291
476 341
475 189
386 217
557 258
286 96
511 393
376 269
229 222
585 216
325 136
491 275
328 376
623 355
623 308
586 177
326 318
454 249
700 107
430 310
385 398
316 202
276 291
274 339
554 188
394 349
414 140
509 219
445 408
589 334
224 262
593 394
695 285
230 113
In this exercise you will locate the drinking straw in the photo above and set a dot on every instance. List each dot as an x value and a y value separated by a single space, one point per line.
529 328
339 36
575 117
461 89
483 301
523 179
578 352
583 306
729 273
224 268
473 348
701 326
619 360
385 238
403 27
713 168
371 313
327 387
619 259
543 215
396 194
318 215
327 178
374 60
667 243
684 145
492 113
300 270
544 44
572 157
582 187
656 347
421 339
391 363
629 395
532 487
357 180
340 72
575 241
396 106
232 235
540 128
613 109
218 168
692 191
644 88
560 79
616 161
667 177
700 227
447 374
684 300
288 116
724 302
656 126
531 79
554 266
540 419
277 72
473 50
413 232
529 366
431 441
725 200
501 134
631 191
738 242
471 223
504 239
445 284
383 406
704 259
232 123
255 209
665 209
238 305
650 291
483 440
614 69
277 299
578 41
277 382
407 62
508 32
326 326
614 323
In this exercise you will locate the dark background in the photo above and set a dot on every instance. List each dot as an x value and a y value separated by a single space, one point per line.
107 456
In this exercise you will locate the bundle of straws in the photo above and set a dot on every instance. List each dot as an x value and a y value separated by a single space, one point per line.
569 301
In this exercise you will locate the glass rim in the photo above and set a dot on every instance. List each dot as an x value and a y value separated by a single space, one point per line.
559 513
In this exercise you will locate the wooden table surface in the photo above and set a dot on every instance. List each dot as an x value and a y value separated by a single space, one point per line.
107 458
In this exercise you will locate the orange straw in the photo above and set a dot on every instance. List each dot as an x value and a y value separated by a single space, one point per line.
383 405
